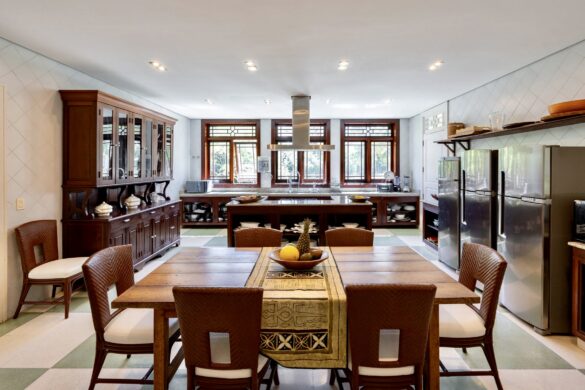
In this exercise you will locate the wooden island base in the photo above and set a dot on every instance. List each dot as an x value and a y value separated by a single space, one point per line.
324 212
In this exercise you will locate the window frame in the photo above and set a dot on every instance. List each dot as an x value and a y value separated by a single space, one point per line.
301 154
205 146
395 142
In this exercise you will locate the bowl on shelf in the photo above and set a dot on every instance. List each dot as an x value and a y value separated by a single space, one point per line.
409 207
350 224
247 225
400 216
564 107
358 198
297 264
248 198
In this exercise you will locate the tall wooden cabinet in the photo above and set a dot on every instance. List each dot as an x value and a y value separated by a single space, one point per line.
112 149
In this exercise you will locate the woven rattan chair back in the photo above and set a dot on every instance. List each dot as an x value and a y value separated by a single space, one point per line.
480 263
109 266
371 308
35 234
349 237
205 310
257 237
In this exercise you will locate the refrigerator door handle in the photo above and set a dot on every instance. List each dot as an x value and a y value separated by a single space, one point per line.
463 183
501 232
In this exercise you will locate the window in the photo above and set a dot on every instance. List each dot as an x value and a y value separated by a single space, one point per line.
231 151
313 166
369 148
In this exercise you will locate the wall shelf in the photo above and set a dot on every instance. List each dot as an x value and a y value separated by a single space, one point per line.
463 141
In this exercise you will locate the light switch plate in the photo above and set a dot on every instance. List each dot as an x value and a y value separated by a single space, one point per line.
20 203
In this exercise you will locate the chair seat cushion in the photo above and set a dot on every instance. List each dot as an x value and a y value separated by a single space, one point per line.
460 321
58 269
135 326
231 374
378 371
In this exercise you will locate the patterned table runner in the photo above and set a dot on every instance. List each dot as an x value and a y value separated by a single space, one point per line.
303 314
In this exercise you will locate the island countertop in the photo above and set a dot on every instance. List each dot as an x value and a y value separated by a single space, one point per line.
335 201
304 193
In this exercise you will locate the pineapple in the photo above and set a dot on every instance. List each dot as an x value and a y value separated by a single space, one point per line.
304 243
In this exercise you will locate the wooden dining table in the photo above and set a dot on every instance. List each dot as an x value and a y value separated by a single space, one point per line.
232 267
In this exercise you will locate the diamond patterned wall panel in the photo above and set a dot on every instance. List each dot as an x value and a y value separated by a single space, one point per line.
33 139
524 96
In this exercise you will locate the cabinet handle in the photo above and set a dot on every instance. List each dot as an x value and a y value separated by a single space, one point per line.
154 236
126 220
99 174
153 212
172 228
173 206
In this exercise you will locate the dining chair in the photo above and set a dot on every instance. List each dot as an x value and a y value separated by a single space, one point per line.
41 265
257 237
221 337
124 331
349 237
465 326
388 327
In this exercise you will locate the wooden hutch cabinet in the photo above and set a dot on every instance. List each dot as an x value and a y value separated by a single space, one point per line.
112 149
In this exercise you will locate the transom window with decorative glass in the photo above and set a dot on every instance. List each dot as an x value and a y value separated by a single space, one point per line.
231 151
310 167
369 148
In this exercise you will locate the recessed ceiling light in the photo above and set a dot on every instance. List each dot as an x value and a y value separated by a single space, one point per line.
208 101
252 67
343 65
328 101
436 65
387 101
157 65
267 101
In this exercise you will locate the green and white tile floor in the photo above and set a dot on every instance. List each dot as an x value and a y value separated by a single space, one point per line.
42 350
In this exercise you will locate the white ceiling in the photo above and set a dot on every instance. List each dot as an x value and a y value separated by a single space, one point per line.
296 45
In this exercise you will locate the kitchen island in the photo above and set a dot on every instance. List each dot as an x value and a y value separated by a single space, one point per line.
283 214
208 209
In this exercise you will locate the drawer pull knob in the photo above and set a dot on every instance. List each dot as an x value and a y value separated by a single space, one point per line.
126 220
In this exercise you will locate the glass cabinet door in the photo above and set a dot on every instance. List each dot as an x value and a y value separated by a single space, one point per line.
159 152
137 148
148 132
123 147
168 160
107 145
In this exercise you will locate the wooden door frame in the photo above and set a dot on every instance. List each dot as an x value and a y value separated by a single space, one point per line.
3 232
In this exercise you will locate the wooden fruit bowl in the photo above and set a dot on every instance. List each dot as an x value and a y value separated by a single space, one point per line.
297 264
565 107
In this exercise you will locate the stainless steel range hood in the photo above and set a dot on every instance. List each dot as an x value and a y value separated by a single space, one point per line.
301 128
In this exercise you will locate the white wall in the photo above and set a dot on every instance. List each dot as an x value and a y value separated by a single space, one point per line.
34 136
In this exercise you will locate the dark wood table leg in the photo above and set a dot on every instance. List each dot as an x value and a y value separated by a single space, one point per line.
161 350
432 369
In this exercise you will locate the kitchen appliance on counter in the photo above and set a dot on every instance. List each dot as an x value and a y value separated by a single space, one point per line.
536 189
198 186
449 207
479 182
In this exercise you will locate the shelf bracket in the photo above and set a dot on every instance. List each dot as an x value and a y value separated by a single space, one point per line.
463 144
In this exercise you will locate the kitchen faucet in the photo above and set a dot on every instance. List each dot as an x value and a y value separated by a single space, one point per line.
290 182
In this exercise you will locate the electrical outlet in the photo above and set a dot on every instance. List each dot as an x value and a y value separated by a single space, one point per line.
20 203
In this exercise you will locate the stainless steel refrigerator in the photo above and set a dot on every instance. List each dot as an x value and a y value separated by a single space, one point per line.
478 197
537 185
449 205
